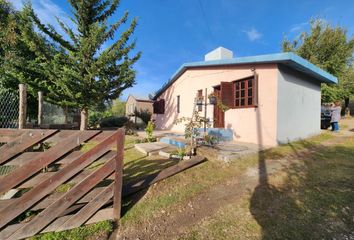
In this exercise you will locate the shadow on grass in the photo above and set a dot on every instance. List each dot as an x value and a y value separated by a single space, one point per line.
316 200
141 170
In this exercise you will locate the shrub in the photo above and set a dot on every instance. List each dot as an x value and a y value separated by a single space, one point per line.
149 130
130 128
144 115
113 121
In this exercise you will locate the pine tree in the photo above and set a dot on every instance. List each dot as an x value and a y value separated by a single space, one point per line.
83 74
18 60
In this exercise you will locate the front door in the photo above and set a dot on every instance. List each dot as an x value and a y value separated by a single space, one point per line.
219 115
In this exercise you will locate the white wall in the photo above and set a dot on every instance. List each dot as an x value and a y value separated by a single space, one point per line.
299 106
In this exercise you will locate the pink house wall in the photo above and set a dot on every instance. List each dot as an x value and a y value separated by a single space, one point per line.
254 125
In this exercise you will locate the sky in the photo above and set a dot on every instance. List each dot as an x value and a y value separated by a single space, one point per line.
173 32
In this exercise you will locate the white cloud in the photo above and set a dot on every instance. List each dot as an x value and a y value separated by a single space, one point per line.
298 27
253 34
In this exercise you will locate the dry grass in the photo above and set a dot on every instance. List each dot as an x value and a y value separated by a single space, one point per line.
312 199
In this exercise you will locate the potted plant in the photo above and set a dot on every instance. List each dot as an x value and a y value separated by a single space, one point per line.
200 101
212 98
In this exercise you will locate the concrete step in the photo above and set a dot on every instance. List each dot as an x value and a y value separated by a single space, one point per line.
152 148
166 152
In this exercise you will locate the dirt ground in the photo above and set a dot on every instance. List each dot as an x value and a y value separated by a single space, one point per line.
176 222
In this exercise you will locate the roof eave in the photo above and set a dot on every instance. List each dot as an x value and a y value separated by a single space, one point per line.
287 58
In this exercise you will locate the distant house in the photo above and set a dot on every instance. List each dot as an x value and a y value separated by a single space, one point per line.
272 99
134 104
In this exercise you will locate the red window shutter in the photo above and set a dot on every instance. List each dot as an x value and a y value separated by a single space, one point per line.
162 106
159 106
227 94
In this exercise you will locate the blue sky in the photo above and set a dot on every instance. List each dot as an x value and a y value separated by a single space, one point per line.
172 32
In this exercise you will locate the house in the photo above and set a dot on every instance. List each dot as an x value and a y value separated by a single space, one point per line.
272 99
135 104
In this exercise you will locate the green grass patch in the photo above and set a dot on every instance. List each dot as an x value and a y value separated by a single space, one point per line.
99 230
87 146
311 199
63 188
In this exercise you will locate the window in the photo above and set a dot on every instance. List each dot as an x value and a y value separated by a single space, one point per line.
178 104
244 93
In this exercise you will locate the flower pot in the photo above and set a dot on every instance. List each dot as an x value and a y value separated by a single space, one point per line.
199 102
212 100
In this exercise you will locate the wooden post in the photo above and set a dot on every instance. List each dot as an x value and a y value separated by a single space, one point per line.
118 176
22 106
40 108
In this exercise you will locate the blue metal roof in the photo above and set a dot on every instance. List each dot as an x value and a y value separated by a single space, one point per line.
289 59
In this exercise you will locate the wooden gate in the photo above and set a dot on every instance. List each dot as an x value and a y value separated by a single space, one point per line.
35 167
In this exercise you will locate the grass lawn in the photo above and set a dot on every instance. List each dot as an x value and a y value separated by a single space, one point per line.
312 199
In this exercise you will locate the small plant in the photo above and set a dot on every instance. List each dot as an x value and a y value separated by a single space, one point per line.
192 126
181 152
149 131
212 98
210 139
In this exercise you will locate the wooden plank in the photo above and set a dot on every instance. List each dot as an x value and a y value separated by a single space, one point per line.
89 209
21 143
101 215
44 188
118 179
10 132
42 176
22 159
55 196
60 136
49 214
28 199
43 159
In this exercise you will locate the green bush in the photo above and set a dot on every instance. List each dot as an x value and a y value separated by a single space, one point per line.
144 115
149 130
113 121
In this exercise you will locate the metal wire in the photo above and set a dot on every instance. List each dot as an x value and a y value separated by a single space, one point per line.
8 109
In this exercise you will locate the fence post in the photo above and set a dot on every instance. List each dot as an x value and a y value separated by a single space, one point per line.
40 108
118 176
22 106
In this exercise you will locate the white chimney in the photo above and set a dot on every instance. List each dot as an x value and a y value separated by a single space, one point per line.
218 54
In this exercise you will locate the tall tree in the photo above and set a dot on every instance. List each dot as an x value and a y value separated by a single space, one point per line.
331 49
83 74
18 61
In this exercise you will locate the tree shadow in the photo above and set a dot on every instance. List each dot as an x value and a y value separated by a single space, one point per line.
315 199
141 171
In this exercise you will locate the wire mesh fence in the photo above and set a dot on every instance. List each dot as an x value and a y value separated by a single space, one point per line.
9 109
54 114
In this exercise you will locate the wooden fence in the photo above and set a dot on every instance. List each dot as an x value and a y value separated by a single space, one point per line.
35 167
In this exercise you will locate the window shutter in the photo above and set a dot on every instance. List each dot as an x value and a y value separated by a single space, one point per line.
227 94
159 106
162 106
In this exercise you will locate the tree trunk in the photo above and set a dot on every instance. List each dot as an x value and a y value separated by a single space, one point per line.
84 119
347 109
